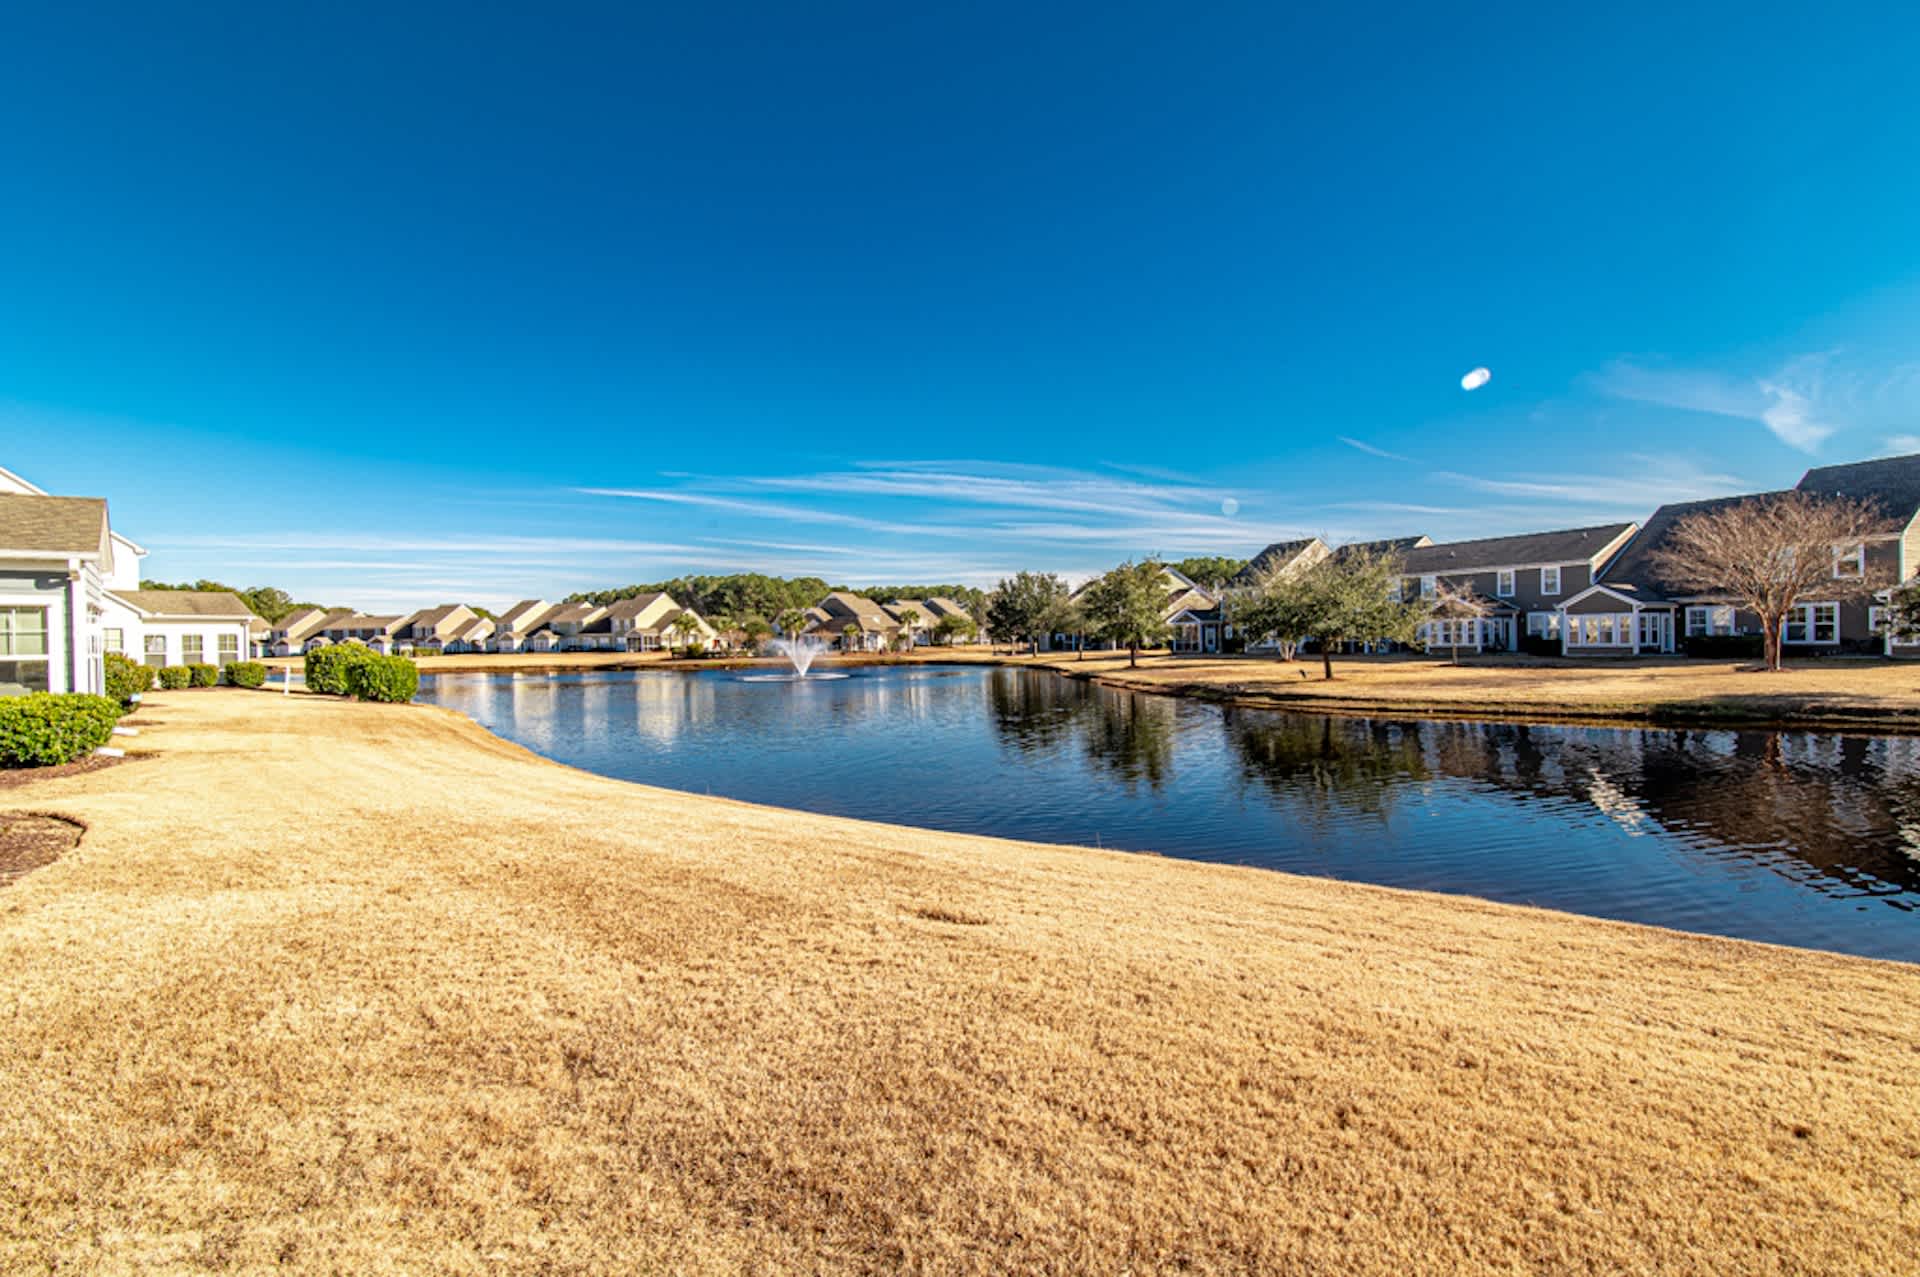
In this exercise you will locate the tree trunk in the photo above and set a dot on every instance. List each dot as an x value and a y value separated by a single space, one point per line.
1133 656
1326 660
1770 642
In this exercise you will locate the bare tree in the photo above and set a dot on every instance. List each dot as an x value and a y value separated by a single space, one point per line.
1455 604
1766 554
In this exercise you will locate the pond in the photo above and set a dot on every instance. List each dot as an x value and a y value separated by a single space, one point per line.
1800 838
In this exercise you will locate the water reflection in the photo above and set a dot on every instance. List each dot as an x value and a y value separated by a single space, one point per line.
1792 837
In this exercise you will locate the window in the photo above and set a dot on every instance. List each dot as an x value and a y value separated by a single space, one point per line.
193 649
1849 562
156 649
1709 620
229 648
1876 620
116 640
1550 580
1543 624
1813 623
24 666
1427 587
1503 583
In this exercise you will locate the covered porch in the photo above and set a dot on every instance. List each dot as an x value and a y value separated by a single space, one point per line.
1604 621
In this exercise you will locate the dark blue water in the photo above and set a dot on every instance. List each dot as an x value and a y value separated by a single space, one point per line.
1797 838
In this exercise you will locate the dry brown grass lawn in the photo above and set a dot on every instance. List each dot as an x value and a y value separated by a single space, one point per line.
1883 692
362 989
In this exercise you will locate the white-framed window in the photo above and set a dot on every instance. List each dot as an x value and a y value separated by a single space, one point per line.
1503 583
1396 590
1705 620
1608 629
156 652
116 640
24 662
193 649
1813 623
1428 585
1849 562
1543 624
229 648
1876 620
1550 580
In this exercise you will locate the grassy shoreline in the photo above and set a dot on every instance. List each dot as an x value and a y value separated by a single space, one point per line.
359 987
1840 695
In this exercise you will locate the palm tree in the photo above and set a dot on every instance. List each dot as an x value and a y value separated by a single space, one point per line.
850 635
687 626
909 618
791 622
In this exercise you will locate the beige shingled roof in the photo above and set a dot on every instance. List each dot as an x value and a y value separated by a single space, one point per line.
52 525
208 603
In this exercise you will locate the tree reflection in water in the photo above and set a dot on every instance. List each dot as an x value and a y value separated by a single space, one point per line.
1337 768
1129 735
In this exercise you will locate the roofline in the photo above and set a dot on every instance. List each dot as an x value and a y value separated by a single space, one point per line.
1601 587
33 489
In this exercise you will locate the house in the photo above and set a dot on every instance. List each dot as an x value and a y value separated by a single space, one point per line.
1520 582
1631 609
470 637
259 636
1282 558
58 558
290 633
376 632
560 629
855 623
179 627
943 607
516 625
914 616
430 628
70 593
639 624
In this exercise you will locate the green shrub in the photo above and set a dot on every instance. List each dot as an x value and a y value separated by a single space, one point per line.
246 674
327 666
1723 646
45 729
204 675
127 678
383 678
175 677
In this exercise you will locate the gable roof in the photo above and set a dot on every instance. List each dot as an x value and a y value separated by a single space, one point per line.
1279 555
522 615
949 607
1565 545
628 609
1891 485
1386 545
212 604
361 621
571 613
1633 566
68 526
844 605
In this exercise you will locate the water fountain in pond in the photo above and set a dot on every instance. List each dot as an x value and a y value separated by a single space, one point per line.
800 651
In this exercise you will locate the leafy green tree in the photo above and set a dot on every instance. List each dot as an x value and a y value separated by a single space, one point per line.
791 621
755 631
1281 608
909 621
687 626
952 629
1355 597
1127 607
1025 606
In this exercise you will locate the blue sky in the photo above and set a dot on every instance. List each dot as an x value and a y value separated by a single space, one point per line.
482 301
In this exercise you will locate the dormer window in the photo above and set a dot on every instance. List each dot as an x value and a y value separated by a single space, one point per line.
1550 580
1503 583
1428 585
1849 562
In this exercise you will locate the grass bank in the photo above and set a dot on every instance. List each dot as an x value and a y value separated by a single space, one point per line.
362 988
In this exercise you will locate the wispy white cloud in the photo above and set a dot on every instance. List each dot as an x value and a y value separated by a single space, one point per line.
1651 480
1792 402
1370 449
1899 445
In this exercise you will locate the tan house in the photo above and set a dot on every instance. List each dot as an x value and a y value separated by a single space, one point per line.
290 633
1518 582
560 629
470 637
516 625
430 628
376 632
853 622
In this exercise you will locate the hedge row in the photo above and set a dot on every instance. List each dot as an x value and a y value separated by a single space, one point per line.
45 729
175 677
348 669
245 674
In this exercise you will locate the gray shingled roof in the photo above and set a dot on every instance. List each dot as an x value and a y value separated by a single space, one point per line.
1633 566
1268 561
52 525
1891 485
208 603
1567 545
628 609
1394 545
